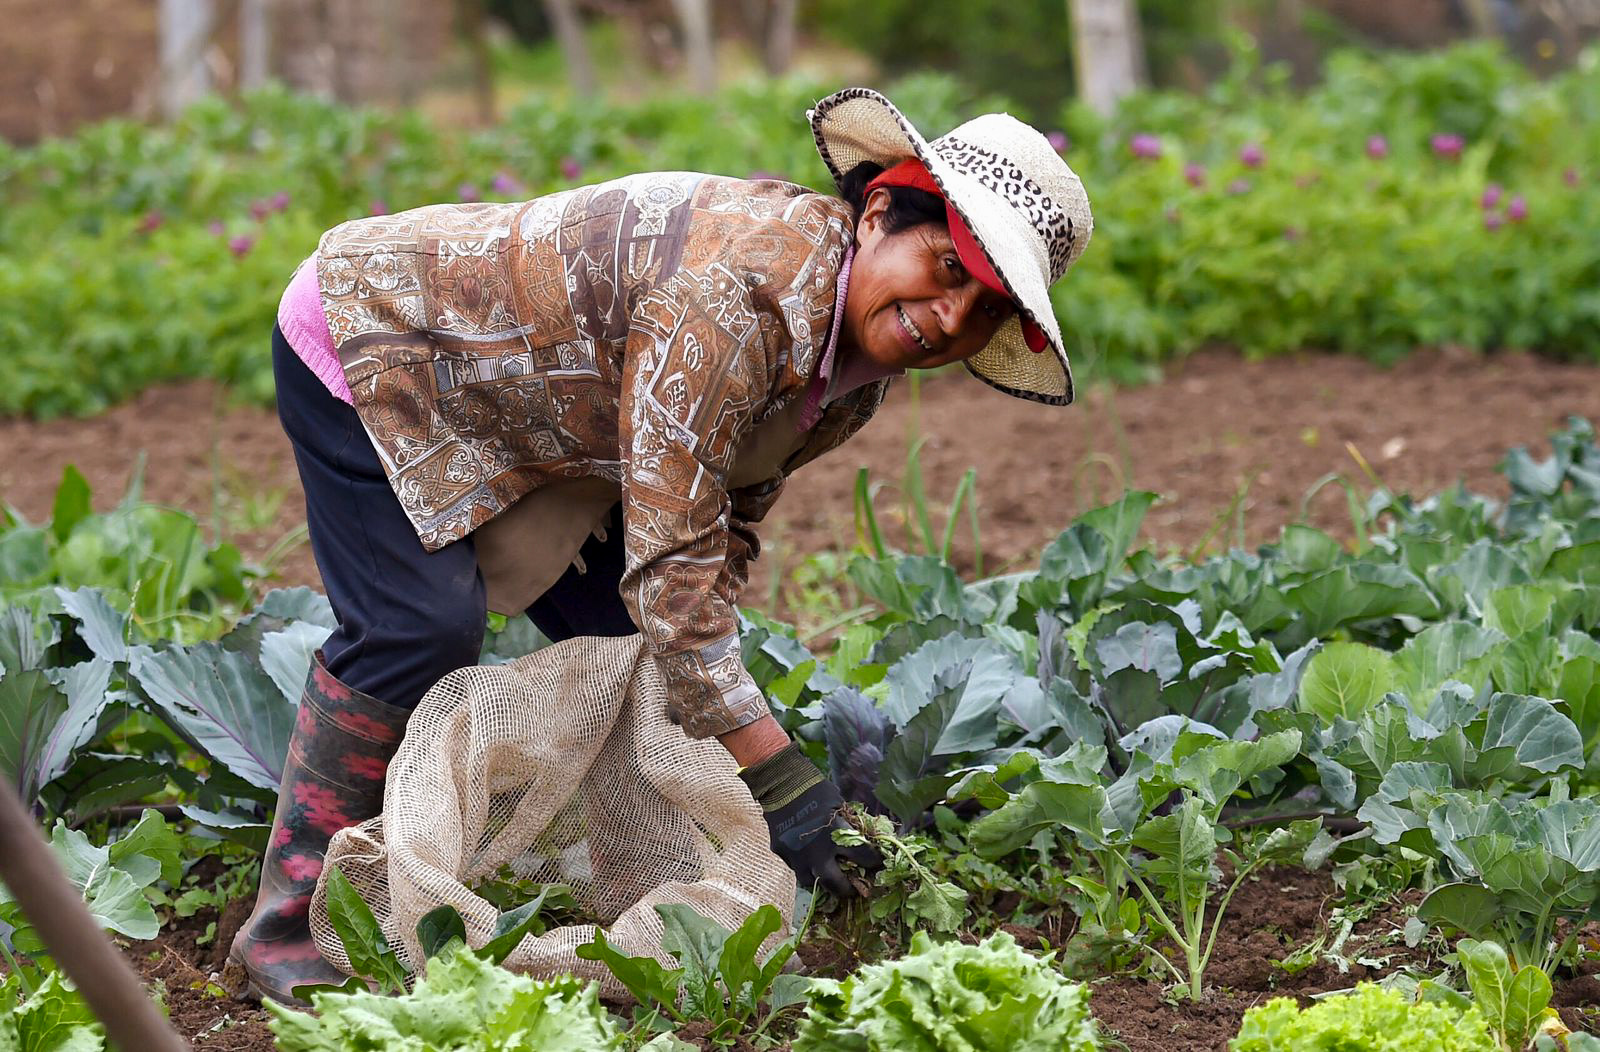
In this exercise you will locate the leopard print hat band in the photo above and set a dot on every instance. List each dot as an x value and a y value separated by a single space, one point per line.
1024 206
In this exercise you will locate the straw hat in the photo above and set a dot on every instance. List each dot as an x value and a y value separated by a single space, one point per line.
1024 207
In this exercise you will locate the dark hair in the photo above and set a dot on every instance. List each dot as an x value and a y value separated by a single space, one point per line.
908 206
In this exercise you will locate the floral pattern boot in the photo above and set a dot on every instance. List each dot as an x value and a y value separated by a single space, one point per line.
333 778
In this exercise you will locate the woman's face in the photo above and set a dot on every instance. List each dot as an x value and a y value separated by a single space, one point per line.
909 285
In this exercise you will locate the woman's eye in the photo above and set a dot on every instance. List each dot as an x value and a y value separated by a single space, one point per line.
953 264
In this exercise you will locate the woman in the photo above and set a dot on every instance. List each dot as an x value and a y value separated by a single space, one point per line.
580 407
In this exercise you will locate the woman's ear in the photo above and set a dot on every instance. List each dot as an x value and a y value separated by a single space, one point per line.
869 227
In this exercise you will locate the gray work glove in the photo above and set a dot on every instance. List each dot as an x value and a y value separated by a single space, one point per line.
802 811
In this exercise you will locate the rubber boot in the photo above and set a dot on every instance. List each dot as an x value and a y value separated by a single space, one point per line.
333 778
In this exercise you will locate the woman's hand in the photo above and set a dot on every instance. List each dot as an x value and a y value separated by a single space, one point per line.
802 811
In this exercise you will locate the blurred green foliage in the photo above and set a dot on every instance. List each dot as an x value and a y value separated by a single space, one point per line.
1251 215
134 254
1443 198
1021 49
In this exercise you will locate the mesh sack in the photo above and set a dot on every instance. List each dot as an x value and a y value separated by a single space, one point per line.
564 765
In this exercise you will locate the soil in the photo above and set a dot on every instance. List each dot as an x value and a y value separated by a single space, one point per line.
1274 914
187 971
1218 432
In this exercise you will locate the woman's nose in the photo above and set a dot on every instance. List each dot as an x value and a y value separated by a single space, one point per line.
955 307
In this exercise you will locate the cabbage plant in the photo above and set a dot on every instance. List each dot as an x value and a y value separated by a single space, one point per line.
1155 832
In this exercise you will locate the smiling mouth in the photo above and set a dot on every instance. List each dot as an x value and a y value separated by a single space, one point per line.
911 329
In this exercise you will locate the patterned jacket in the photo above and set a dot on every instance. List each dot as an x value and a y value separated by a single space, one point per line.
633 331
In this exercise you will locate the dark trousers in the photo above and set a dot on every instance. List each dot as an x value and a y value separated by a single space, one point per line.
408 616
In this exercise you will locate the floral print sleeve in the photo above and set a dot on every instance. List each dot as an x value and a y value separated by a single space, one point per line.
691 391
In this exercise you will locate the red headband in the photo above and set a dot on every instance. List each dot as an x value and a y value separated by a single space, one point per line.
913 173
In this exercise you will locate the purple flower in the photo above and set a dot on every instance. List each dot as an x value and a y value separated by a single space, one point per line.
1447 146
1145 146
1293 233
1492 221
1194 174
259 210
280 201
1251 155
571 170
468 192
1570 176
378 207
1491 196
1377 147
1239 186
216 228
1058 141
152 221
1517 210
1305 179
505 183
241 245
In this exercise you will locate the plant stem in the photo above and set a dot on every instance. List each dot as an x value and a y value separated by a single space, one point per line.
1218 523
1166 923
834 622
916 498
1337 823
17 970
867 529
962 489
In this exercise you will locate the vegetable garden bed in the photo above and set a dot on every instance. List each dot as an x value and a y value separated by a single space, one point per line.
1284 911
1194 785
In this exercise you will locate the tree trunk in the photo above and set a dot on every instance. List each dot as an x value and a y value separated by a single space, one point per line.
1107 50
474 23
574 48
695 18
779 51
185 33
255 44
1482 18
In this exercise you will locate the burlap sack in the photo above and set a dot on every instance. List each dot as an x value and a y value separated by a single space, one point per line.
564 765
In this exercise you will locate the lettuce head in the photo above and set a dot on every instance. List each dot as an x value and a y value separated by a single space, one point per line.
465 1004
1370 1020
949 997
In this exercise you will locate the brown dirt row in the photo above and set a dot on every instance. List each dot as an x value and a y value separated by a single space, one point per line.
1218 433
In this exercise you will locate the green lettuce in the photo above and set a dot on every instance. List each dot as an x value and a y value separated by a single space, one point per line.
465 1004
1372 1019
54 1018
948 997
